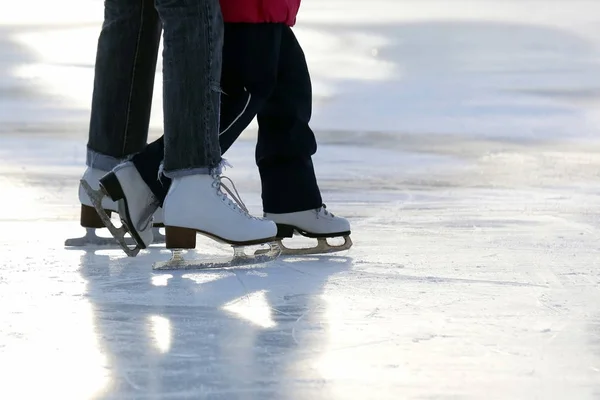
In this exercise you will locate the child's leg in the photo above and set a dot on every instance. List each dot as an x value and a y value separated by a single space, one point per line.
250 57
249 75
285 140
291 196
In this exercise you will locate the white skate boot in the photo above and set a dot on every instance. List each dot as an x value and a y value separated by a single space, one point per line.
319 224
200 204
136 204
89 218
97 216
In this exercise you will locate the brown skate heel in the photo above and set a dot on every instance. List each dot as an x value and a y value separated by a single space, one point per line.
90 218
180 238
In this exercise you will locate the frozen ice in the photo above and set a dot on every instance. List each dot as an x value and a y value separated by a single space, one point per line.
462 142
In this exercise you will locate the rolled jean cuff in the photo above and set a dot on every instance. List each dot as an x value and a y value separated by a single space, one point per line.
102 162
178 173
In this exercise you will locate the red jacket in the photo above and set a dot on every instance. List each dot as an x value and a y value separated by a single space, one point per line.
257 11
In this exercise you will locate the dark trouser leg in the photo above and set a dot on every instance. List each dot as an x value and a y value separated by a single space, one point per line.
250 58
148 163
285 140
124 81
250 63
237 112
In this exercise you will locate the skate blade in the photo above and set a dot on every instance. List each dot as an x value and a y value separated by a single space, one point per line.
96 197
322 247
91 239
239 259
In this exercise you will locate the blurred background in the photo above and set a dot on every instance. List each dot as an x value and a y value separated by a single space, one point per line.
523 68
441 81
507 68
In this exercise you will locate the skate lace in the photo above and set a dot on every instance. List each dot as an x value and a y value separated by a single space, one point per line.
323 210
225 192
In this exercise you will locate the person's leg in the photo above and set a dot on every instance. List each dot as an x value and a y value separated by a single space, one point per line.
285 139
192 45
197 199
249 73
123 84
291 196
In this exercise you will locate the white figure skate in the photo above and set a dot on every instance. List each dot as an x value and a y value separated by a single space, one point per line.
136 206
91 220
203 204
319 224
197 204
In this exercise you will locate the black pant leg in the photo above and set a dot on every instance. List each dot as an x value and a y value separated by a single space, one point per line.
147 162
249 75
286 142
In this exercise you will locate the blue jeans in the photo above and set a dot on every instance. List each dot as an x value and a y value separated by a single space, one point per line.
124 82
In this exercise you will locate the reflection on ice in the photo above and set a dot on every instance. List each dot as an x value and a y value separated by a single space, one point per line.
206 277
161 330
161 280
252 307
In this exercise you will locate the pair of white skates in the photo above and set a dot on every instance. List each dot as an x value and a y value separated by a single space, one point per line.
196 204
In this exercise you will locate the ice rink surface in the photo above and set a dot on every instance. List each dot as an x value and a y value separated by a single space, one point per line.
460 139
